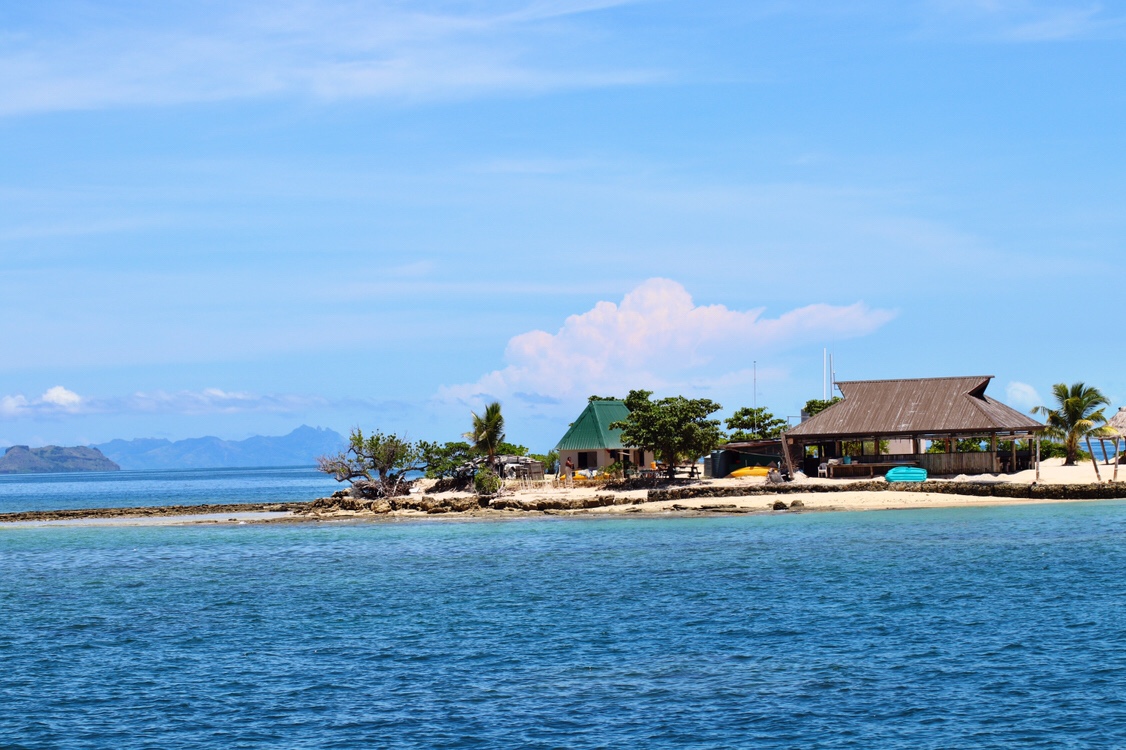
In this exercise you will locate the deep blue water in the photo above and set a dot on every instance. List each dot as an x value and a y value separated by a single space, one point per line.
976 627
131 489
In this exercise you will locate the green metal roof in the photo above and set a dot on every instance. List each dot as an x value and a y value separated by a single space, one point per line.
591 431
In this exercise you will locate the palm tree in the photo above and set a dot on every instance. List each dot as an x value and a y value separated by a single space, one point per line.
1077 416
488 431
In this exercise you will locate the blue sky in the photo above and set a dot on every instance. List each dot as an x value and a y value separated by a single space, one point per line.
234 218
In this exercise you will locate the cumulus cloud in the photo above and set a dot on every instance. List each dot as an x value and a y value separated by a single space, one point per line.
1022 395
657 337
56 400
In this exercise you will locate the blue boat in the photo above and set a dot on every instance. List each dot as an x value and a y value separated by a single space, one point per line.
906 474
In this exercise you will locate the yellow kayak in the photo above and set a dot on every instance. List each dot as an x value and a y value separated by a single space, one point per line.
750 471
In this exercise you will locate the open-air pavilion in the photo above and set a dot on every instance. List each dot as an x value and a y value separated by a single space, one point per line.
880 424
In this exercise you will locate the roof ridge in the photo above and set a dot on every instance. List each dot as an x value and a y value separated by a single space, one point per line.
916 380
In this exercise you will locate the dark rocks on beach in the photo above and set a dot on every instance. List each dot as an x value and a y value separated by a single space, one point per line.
797 504
779 505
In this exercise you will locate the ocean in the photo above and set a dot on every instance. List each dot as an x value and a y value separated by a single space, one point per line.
133 489
940 628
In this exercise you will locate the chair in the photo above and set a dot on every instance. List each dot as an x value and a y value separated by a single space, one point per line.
823 470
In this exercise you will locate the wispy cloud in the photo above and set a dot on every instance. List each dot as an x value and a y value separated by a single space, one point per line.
326 49
59 401
657 337
1022 395
1031 20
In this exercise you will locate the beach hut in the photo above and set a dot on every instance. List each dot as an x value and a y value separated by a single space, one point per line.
855 436
590 443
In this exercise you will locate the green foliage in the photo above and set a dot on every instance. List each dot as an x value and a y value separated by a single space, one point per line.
675 429
375 459
615 470
963 446
487 432
511 449
816 405
863 447
547 459
486 482
1077 415
602 398
754 424
444 461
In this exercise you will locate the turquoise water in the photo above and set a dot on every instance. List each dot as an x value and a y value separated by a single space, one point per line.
131 489
979 627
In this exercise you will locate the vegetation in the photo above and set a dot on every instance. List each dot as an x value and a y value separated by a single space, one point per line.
548 459
676 429
486 482
816 405
1077 416
447 460
754 424
375 464
487 432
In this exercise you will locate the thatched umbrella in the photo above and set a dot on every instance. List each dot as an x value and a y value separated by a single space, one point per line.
1115 430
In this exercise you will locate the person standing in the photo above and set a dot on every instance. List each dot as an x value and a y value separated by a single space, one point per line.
569 473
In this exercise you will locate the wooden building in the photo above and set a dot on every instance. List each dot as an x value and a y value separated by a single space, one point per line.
856 436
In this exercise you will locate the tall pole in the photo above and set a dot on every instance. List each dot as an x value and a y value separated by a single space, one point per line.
754 398
825 374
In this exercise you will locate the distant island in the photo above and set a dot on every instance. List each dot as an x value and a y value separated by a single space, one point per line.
299 448
21 459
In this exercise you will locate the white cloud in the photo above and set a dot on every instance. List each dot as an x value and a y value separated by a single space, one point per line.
656 338
322 48
62 398
1022 395
58 401
55 400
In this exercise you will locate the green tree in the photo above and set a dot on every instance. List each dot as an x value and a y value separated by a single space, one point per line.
374 464
1076 416
675 428
511 449
754 423
447 460
816 405
487 432
602 398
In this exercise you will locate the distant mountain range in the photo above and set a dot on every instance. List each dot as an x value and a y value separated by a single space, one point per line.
299 448
20 459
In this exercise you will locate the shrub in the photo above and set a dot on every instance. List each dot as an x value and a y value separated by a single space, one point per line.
486 482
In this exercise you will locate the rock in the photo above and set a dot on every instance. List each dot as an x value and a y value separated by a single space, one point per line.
779 505
797 504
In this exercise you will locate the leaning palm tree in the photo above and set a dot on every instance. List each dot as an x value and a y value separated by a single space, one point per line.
488 431
1077 416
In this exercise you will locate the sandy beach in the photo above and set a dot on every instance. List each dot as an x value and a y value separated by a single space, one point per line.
704 496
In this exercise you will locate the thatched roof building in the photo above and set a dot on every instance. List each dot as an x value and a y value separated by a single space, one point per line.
917 408
908 413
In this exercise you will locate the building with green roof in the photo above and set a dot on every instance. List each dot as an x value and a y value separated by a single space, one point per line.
591 444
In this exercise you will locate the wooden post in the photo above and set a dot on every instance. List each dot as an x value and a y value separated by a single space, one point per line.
786 454
1037 457
993 450
1013 456
1098 478
1115 460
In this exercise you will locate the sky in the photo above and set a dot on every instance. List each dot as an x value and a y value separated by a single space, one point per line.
233 218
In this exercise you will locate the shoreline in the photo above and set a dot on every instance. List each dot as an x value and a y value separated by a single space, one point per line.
757 501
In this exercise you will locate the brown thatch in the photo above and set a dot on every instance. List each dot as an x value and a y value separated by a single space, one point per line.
1116 425
919 407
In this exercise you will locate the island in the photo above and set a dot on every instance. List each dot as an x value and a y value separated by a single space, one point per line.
20 459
